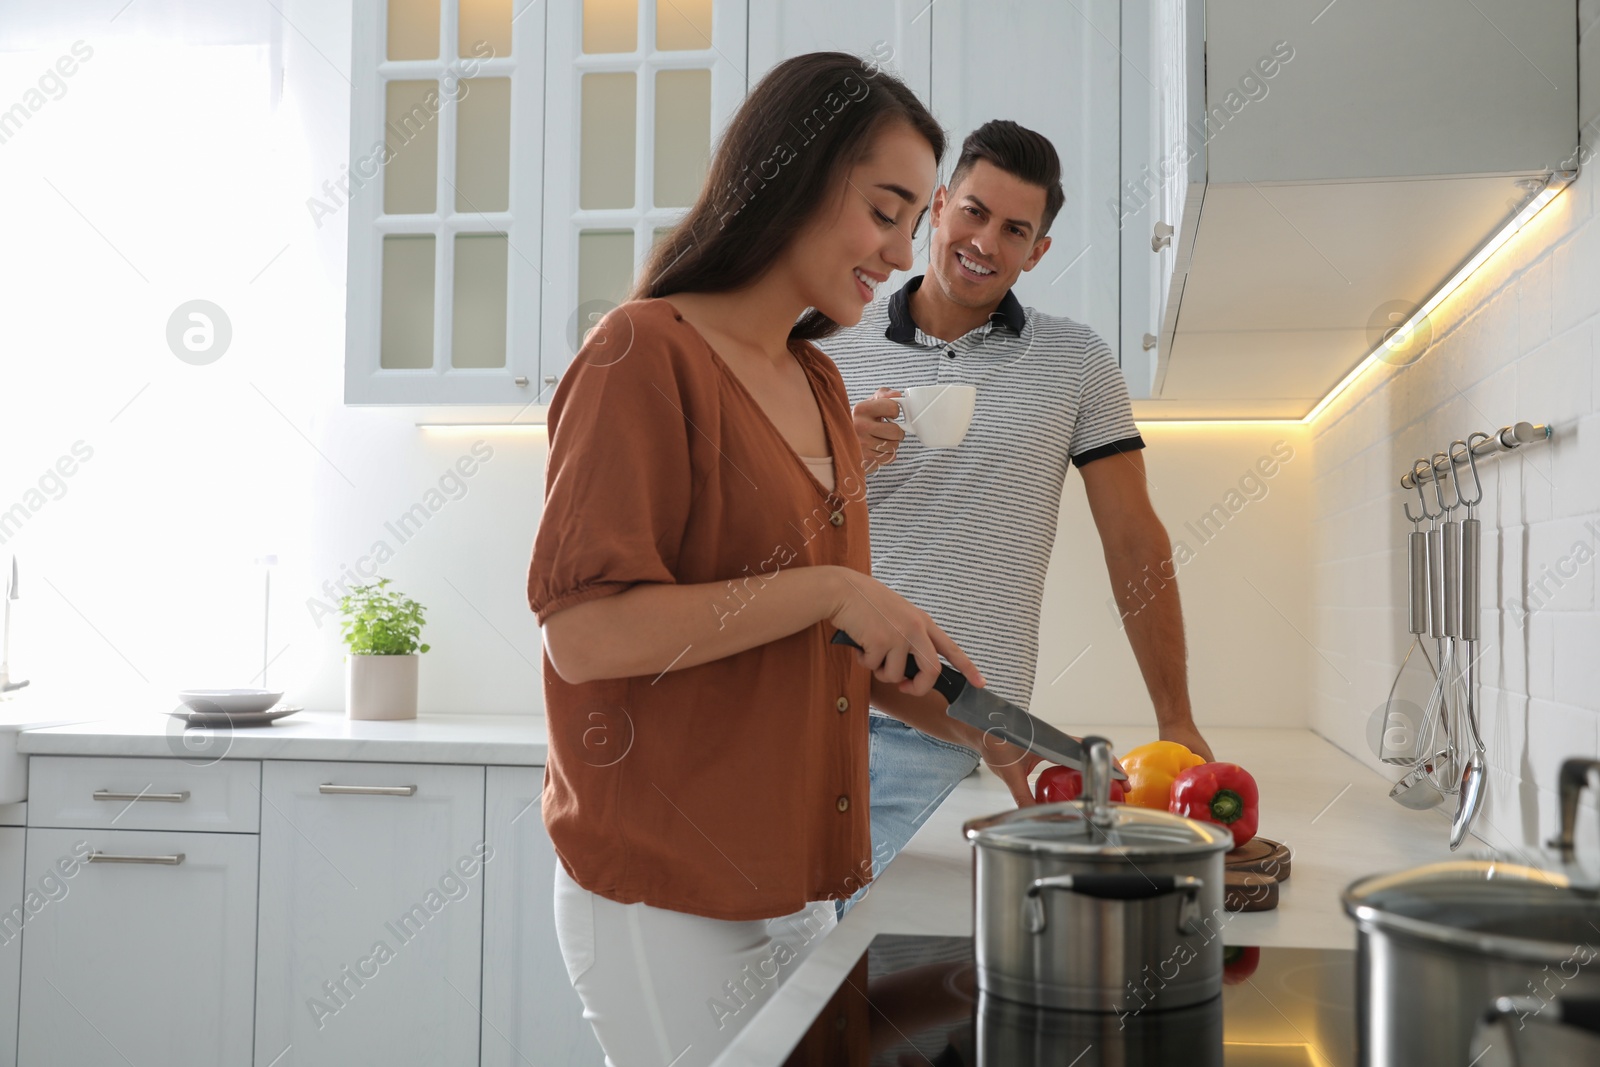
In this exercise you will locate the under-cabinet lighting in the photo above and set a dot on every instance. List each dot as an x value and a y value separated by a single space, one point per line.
1222 423
1559 181
517 428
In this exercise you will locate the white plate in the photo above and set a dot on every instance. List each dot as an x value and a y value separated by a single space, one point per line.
243 718
229 701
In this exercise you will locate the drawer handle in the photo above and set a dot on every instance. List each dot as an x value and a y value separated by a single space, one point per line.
369 790
107 857
172 798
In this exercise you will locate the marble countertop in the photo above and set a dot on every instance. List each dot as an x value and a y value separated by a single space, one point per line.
517 740
1332 811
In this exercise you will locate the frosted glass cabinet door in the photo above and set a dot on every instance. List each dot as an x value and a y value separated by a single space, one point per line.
371 914
531 1014
443 202
139 962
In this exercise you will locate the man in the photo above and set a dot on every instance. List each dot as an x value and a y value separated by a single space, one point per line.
966 532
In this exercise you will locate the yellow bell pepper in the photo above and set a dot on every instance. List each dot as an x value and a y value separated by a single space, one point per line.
1151 769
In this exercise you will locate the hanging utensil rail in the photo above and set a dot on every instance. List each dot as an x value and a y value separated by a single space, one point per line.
1506 439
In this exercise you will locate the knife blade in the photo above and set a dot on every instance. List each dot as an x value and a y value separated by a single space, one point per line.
983 710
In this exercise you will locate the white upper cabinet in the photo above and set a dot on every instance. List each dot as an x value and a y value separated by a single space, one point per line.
637 91
1053 68
1344 162
1163 171
447 139
897 35
1256 190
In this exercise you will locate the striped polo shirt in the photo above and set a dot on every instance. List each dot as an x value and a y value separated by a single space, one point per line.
965 533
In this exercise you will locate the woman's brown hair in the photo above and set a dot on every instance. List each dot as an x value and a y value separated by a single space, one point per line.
809 120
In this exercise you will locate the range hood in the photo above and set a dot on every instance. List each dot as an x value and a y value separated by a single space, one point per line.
1321 207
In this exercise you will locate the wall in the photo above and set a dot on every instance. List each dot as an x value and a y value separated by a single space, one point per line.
132 194
1517 342
1239 538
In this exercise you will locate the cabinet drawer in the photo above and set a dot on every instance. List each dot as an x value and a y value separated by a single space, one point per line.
92 792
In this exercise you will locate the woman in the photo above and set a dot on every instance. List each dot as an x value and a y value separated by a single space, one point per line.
704 535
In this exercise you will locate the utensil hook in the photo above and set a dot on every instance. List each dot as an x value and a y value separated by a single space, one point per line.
1438 485
1472 463
1416 483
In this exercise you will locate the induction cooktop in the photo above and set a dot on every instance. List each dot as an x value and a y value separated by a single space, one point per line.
913 1001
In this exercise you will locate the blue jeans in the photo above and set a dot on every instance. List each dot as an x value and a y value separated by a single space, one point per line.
910 774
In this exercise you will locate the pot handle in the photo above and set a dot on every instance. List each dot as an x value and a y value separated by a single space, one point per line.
1116 887
1580 1013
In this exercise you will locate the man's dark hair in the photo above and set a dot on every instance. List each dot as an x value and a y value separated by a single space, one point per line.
1020 152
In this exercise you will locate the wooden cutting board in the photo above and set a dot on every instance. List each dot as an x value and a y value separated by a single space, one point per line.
1252 874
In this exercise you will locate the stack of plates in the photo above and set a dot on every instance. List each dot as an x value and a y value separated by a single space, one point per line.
231 707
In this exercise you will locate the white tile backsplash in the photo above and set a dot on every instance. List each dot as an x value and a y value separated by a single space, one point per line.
1517 343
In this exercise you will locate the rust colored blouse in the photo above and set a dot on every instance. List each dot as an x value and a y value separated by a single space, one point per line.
736 789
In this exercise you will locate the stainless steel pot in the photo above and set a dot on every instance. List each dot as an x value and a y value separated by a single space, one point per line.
1446 947
1092 906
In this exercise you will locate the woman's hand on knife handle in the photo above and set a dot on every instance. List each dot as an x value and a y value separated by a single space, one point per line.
889 628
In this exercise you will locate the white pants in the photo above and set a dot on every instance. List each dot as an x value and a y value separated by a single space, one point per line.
667 989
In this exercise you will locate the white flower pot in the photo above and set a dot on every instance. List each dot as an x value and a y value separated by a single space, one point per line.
381 687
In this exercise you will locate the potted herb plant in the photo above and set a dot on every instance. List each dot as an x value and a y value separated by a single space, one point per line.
383 630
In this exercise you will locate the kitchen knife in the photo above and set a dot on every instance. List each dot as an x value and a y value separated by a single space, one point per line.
977 707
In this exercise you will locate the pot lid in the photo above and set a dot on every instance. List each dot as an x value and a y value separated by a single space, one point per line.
1128 830
1484 906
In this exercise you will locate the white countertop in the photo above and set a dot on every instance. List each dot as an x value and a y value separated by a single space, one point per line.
1333 812
517 740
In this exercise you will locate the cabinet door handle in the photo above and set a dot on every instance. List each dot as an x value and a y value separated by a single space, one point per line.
107 857
369 790
1162 236
172 798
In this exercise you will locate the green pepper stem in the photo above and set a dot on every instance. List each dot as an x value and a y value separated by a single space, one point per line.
1227 806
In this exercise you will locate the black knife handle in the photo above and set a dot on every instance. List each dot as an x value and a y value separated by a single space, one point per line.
949 684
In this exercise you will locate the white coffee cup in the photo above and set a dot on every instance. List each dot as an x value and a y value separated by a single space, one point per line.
939 414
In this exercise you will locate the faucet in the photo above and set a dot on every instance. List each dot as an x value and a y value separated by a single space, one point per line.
6 684
1575 777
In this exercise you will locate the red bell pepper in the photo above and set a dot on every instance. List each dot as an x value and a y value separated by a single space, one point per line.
1056 784
1239 962
1222 793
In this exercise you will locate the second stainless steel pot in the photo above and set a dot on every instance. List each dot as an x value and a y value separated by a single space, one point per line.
1446 948
1440 944
1091 906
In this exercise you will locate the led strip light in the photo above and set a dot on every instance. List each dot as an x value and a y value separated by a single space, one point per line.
1401 336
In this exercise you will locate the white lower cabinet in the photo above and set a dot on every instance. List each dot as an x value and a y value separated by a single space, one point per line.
142 956
371 924
12 845
386 914
531 1014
